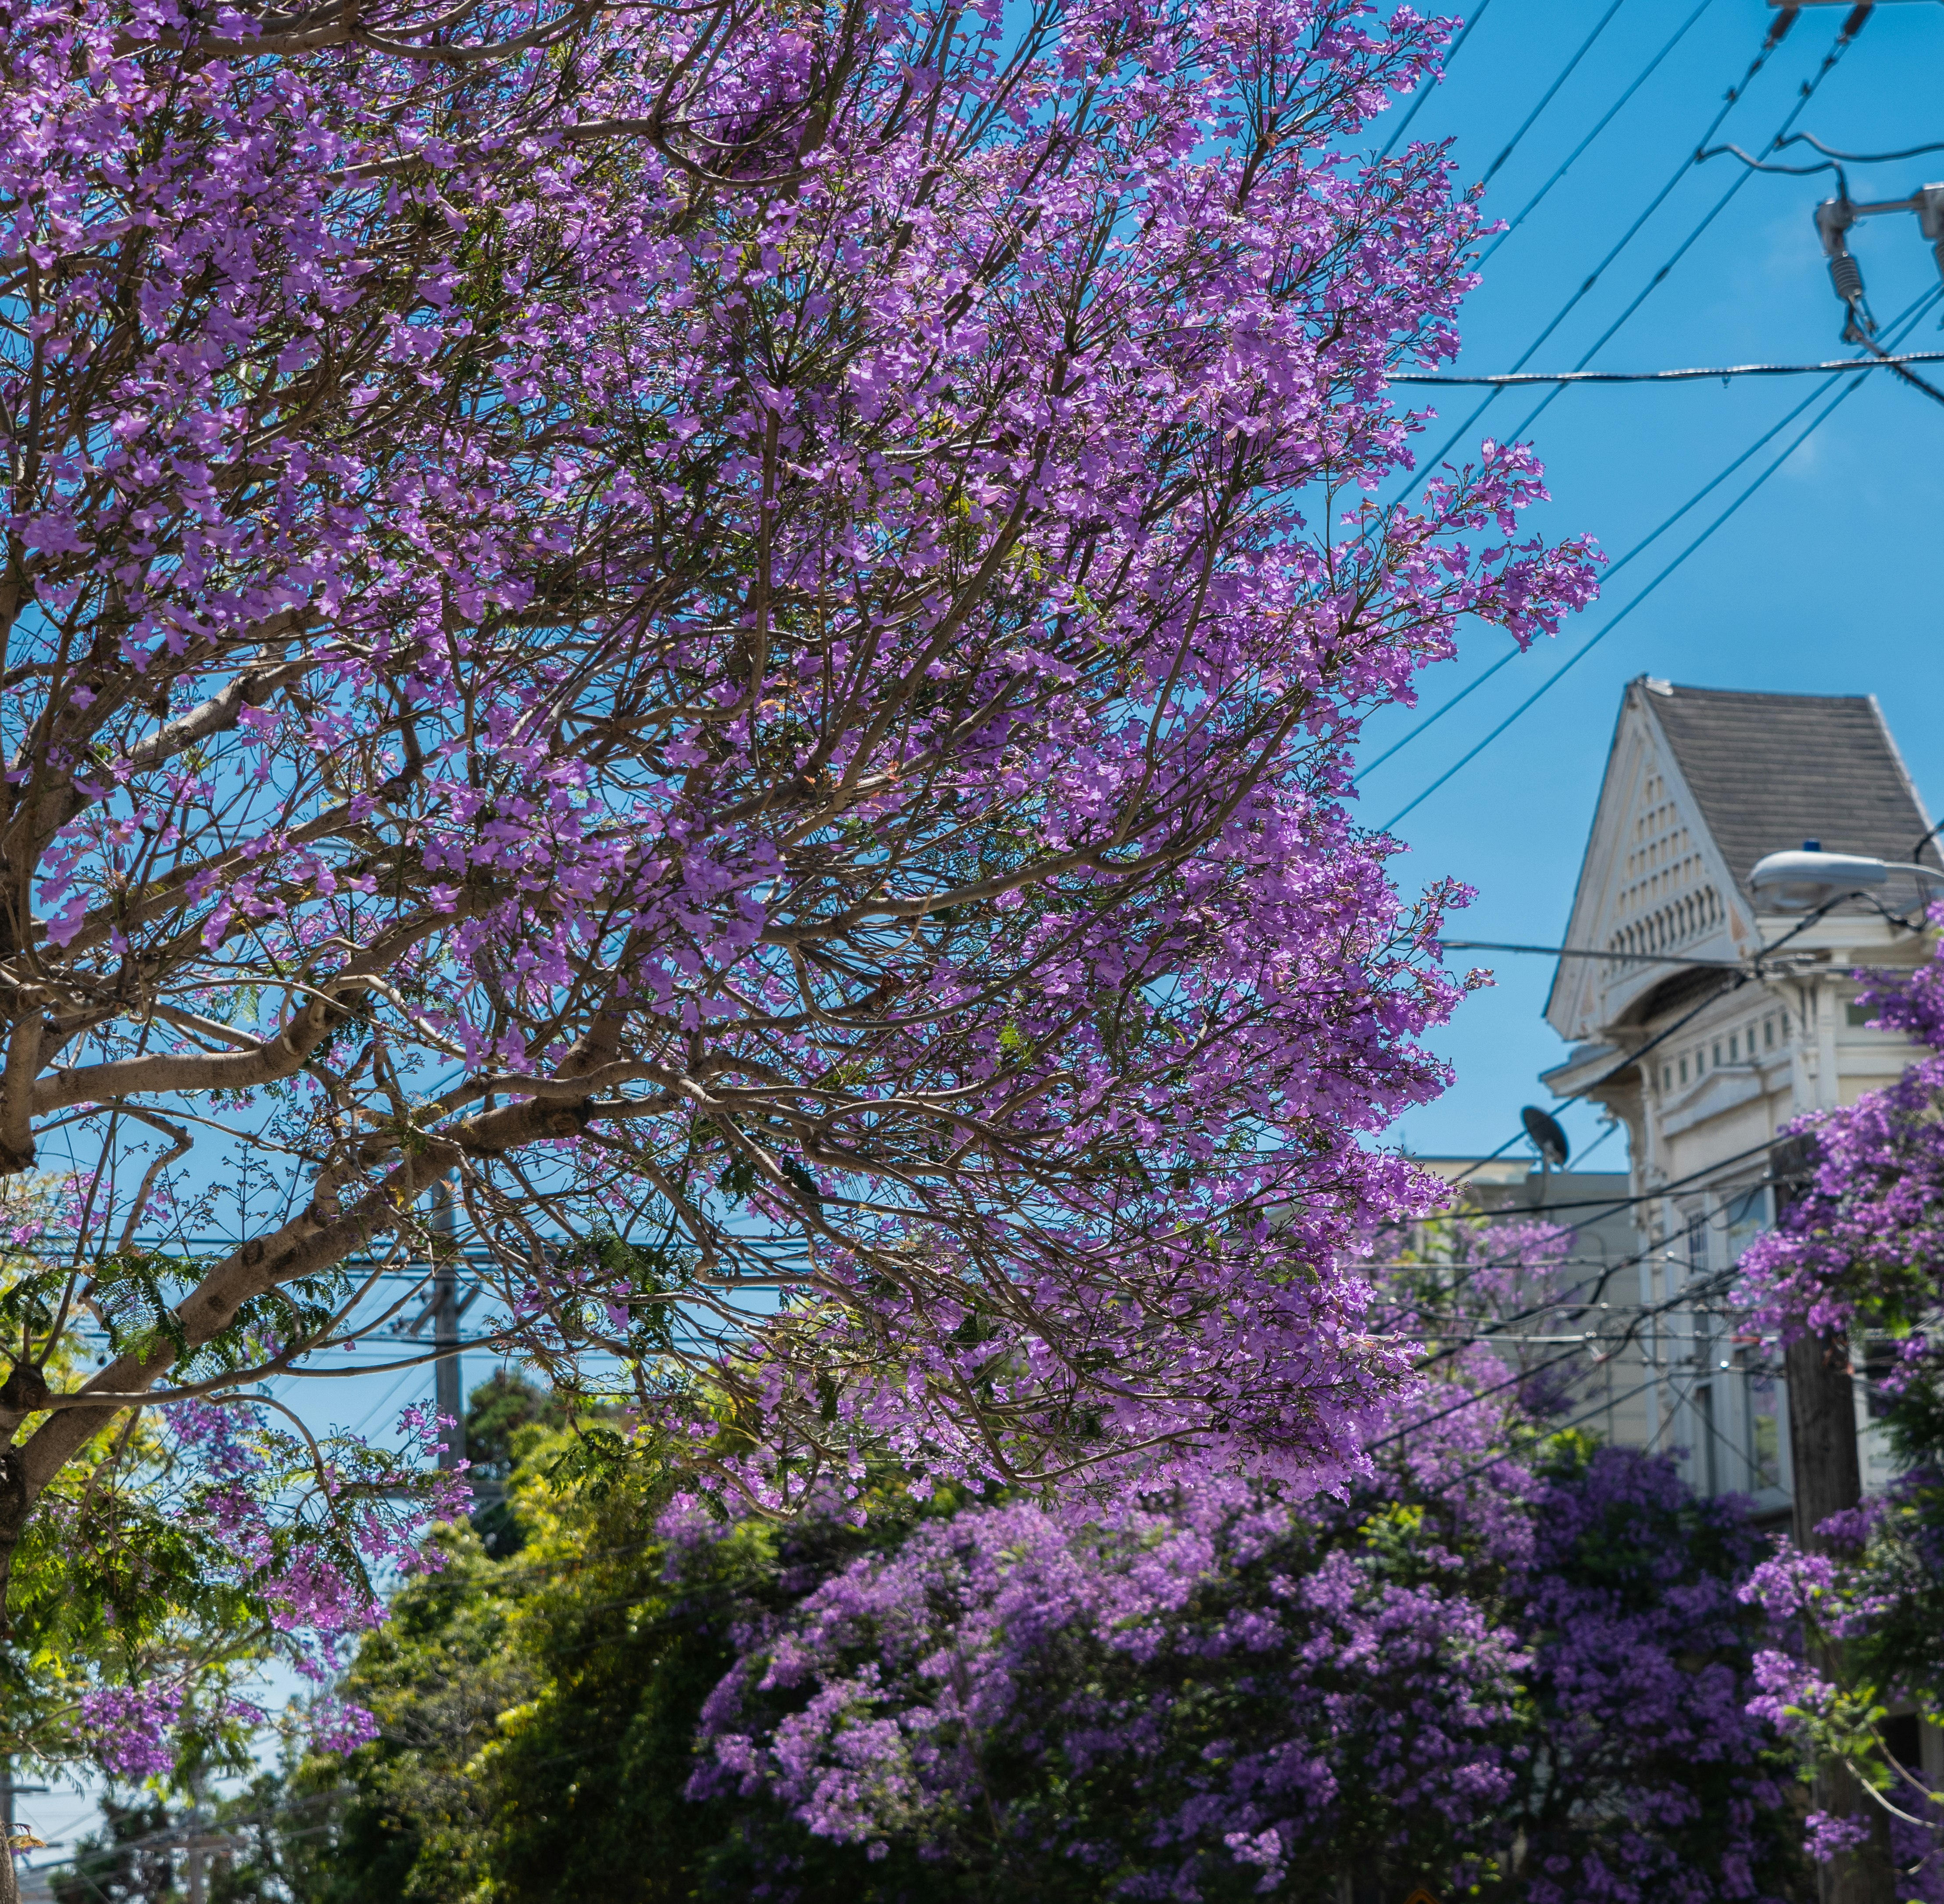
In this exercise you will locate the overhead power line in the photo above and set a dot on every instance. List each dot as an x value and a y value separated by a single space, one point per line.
1845 37
1429 86
1587 952
1639 548
1546 98
1858 158
1724 371
1626 238
1600 125
1851 385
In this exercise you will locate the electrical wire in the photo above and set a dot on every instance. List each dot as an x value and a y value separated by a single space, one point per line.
1432 463
1512 654
1626 238
1845 38
1586 952
1755 165
1546 98
1655 1196
1572 1298
1859 157
1431 720
1605 1205
1600 126
1506 380
1484 1161
1430 84
1682 1298
1862 330
1659 529
1849 386
1751 970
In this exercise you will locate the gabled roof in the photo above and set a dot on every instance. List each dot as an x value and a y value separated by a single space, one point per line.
1700 783
1771 770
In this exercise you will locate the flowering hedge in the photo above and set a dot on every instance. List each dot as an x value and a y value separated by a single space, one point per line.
1542 1695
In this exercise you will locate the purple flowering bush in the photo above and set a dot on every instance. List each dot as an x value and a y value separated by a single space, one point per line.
1651 1773
1179 1699
1537 1691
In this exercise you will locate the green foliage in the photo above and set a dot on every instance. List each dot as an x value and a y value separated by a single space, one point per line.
497 1413
537 1710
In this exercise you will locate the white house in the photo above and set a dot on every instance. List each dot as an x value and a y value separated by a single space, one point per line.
1705 1060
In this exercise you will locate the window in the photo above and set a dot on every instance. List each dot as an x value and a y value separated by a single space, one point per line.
1785 1028
1706 1434
1734 1043
1856 1014
1768 1033
1683 1071
1667 1077
1717 1054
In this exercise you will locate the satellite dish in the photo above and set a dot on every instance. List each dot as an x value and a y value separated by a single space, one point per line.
1543 1129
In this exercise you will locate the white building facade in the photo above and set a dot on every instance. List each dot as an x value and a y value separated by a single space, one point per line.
1704 1056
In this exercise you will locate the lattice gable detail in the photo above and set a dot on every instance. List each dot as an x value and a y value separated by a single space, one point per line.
1653 881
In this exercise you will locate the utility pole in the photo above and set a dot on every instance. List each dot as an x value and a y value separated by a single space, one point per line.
194 1842
448 1392
1828 1479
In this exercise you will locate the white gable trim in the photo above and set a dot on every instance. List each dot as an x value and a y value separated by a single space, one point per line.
1652 880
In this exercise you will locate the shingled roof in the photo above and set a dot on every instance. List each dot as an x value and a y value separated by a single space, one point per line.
1772 771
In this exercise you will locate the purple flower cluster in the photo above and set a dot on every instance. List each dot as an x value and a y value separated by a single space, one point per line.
1535 1681
133 1728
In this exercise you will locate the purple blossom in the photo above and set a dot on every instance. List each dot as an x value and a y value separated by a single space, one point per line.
130 1729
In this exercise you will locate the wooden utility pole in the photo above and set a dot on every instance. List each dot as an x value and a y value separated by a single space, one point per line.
194 1843
448 1391
1828 1478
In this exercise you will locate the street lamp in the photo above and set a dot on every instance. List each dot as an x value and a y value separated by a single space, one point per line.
1801 881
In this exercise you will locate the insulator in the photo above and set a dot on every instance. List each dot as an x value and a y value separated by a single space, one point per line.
1847 276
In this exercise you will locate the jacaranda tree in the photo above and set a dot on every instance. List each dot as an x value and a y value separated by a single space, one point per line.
732 631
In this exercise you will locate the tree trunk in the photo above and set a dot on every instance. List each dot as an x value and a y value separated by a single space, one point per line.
1828 1478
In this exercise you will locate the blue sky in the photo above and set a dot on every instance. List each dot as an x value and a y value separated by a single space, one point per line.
1826 581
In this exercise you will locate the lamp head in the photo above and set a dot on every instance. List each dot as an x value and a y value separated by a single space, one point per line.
1799 882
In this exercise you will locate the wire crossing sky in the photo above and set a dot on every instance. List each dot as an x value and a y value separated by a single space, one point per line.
1819 582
